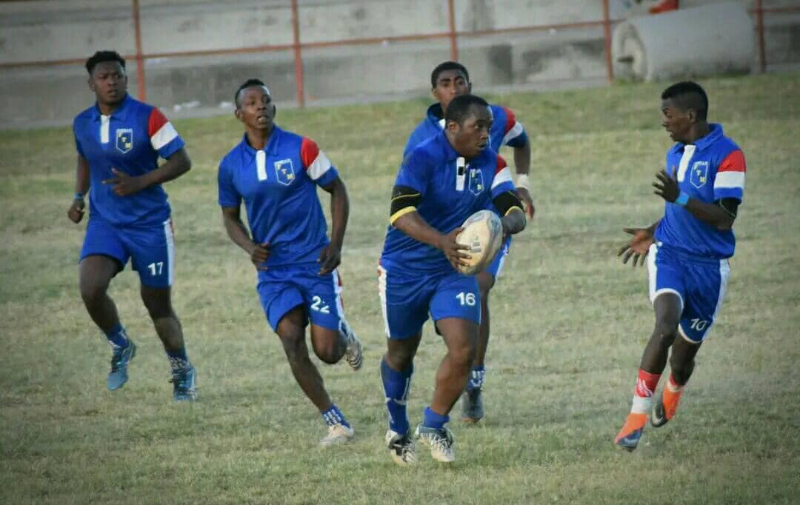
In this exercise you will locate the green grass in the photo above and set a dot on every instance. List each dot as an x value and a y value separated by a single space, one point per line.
569 326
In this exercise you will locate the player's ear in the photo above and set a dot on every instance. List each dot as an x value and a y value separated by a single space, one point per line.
469 87
238 113
692 115
91 84
274 111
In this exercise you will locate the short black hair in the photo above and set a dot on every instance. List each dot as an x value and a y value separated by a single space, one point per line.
447 65
460 107
688 95
246 84
102 56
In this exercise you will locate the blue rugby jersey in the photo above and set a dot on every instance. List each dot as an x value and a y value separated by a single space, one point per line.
447 199
279 187
131 140
506 130
710 169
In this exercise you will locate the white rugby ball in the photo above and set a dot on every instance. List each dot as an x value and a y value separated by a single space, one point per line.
483 235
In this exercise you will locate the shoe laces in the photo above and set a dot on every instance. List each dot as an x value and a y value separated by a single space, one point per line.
180 379
441 440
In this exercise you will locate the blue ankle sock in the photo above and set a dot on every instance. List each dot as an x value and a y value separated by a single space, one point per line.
433 420
178 360
334 416
117 337
396 386
476 377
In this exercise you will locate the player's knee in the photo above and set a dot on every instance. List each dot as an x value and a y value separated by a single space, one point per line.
293 340
463 356
327 353
665 330
400 359
92 292
681 369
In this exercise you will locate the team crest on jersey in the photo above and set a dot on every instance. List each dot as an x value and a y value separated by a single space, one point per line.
124 139
699 174
475 181
284 171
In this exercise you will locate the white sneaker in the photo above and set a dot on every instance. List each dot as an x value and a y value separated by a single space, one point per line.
401 447
440 441
337 434
353 353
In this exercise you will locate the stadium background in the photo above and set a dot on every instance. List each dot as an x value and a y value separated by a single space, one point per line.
569 321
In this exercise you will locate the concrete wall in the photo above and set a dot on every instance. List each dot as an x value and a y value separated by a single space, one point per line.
46 30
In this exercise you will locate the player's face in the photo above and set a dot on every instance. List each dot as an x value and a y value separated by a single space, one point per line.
256 108
109 82
472 136
676 121
450 84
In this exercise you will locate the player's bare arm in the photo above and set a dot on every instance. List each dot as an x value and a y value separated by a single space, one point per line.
509 206
176 165
639 245
259 253
522 162
719 214
82 183
331 256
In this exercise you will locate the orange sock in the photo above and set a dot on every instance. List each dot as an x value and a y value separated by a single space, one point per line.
632 423
671 397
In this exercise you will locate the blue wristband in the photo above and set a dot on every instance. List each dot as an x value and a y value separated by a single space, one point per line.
682 199
78 196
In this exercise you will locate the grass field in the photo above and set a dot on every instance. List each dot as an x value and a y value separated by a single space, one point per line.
569 325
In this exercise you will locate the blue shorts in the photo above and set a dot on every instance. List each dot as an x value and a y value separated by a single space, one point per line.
496 267
407 299
151 248
699 283
281 289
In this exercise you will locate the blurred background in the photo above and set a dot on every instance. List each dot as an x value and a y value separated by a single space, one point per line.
187 56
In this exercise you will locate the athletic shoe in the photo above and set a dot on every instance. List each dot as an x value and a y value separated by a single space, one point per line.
184 383
440 441
472 406
631 432
337 434
665 408
120 360
353 353
401 447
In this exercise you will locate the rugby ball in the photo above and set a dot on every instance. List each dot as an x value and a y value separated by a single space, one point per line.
483 235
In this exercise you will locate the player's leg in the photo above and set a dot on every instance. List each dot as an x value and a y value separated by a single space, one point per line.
456 309
331 335
472 400
102 257
706 287
153 257
404 302
666 294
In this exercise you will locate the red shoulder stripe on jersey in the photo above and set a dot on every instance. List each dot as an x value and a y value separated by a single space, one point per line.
501 164
734 162
511 120
308 152
156 121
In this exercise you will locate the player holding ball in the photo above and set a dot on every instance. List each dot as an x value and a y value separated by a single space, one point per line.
441 183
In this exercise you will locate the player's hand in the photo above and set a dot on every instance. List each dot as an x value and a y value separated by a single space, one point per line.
259 255
666 186
76 210
638 247
527 202
124 184
330 258
452 249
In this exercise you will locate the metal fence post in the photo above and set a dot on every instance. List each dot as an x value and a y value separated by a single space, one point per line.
607 35
451 15
137 29
762 56
299 77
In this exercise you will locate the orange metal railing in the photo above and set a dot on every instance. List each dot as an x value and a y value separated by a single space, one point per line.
452 34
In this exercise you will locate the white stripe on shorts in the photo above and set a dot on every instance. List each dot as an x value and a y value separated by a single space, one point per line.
652 270
382 294
724 274
170 237
337 289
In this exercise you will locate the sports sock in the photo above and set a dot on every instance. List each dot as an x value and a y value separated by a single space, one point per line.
396 386
671 397
334 416
178 359
643 393
117 337
476 377
433 420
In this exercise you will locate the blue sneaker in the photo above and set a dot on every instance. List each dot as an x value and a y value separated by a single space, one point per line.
120 360
184 382
472 406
